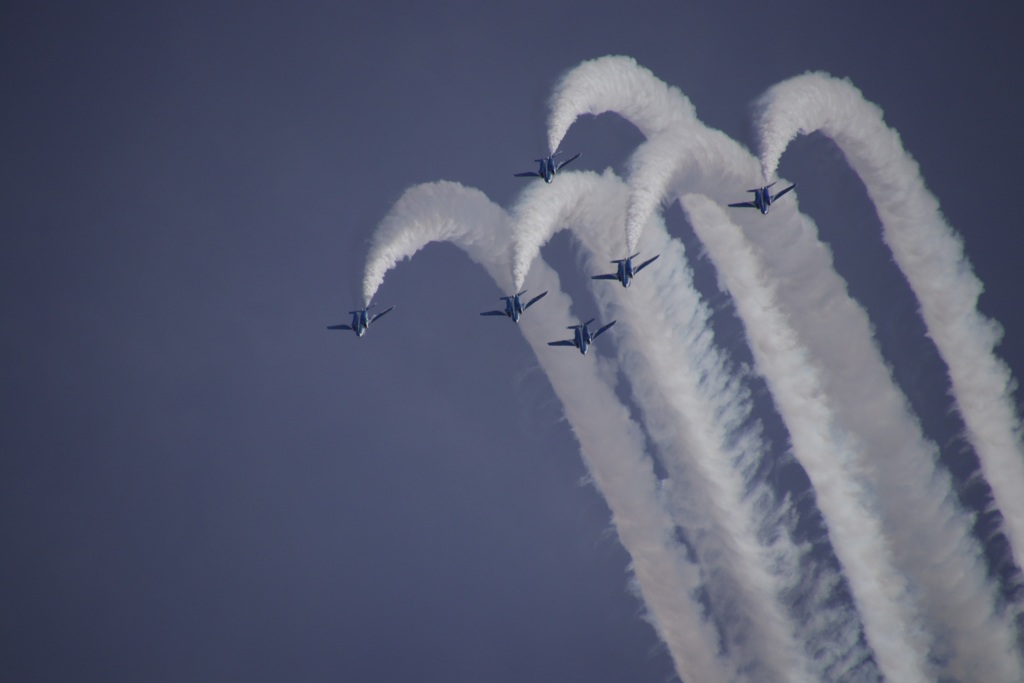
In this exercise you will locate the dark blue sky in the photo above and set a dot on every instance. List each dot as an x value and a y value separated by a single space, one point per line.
199 482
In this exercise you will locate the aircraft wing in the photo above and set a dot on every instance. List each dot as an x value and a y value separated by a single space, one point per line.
645 264
382 313
752 205
493 313
564 163
534 300
339 327
603 329
564 342
609 276
527 174
782 192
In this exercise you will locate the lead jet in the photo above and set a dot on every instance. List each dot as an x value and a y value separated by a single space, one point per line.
581 338
548 168
514 305
625 271
763 198
361 320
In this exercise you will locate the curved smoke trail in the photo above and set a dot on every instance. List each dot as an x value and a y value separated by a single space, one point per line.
930 254
616 84
928 531
694 409
611 443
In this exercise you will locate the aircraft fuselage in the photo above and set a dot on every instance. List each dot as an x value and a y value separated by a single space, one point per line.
360 322
547 169
583 339
625 274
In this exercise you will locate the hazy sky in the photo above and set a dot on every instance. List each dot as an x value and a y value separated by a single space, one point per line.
199 482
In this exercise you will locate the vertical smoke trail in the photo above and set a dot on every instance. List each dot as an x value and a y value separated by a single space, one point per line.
930 254
827 454
692 408
929 533
611 443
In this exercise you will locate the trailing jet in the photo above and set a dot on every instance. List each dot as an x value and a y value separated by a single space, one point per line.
548 168
763 198
625 271
361 320
582 339
514 305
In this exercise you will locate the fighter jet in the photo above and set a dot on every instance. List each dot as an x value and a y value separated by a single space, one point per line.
625 271
361 320
763 198
514 305
582 339
548 168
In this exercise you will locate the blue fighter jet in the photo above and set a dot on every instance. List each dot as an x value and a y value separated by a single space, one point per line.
548 168
361 320
581 338
514 305
763 198
625 271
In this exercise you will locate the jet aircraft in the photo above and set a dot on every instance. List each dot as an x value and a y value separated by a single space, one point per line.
514 305
763 198
548 168
361 320
625 271
582 338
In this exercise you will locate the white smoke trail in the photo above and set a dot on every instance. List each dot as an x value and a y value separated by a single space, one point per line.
616 84
930 254
693 409
827 454
437 212
929 533
611 443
